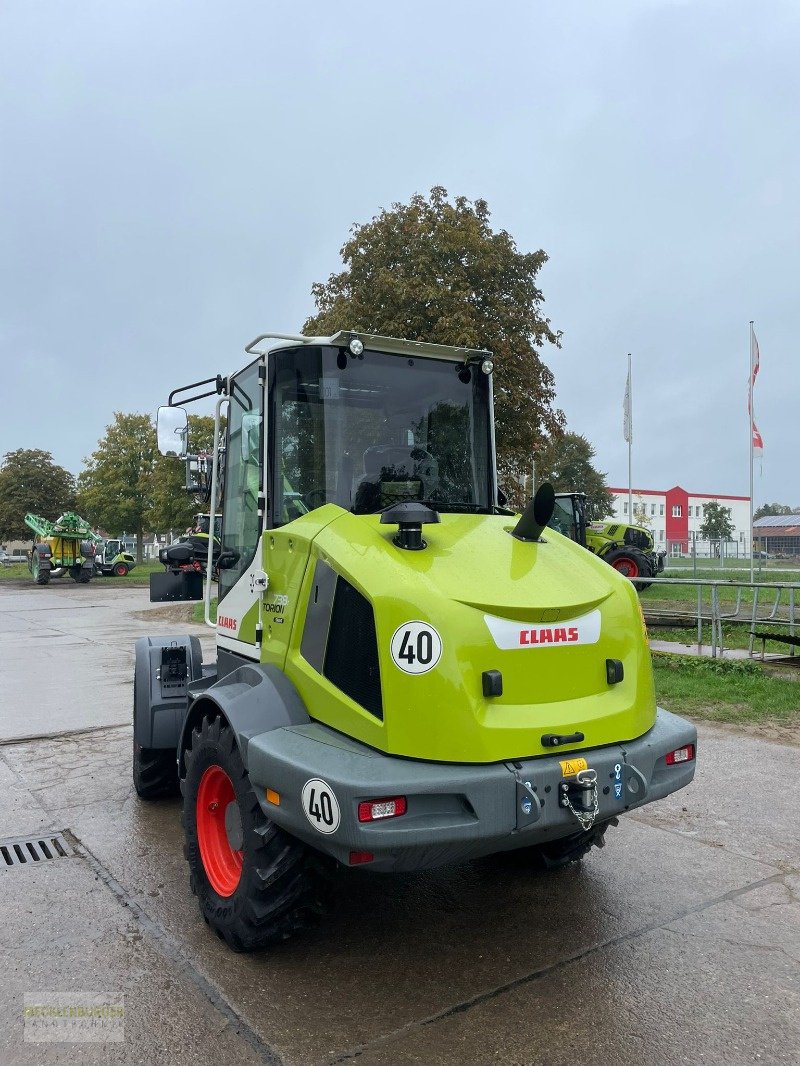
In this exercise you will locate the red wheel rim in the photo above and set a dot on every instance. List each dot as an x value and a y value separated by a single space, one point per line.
626 566
223 865
121 571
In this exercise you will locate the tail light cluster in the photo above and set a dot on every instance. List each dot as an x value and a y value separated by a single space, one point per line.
684 754
376 810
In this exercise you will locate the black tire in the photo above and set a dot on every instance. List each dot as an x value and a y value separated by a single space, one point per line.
85 576
41 573
75 573
155 772
630 562
571 849
283 887
121 570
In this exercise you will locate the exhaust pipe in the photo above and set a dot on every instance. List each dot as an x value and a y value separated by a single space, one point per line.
537 514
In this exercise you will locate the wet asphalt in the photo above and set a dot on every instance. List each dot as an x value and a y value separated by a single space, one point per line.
679 942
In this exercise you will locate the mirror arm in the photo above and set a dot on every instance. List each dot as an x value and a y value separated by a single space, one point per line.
218 390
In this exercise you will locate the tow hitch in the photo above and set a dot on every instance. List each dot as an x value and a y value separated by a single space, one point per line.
579 795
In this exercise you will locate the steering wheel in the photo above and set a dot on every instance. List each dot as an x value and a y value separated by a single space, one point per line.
314 498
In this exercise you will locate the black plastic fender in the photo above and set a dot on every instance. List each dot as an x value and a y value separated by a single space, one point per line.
160 706
254 698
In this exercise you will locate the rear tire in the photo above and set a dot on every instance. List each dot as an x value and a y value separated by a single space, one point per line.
571 849
155 772
260 887
85 576
121 570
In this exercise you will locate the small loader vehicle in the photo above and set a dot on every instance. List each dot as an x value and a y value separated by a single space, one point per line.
406 674
112 559
629 549
66 546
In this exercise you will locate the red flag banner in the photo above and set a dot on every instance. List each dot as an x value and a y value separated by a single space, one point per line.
755 361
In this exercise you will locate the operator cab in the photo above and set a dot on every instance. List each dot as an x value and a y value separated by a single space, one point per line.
570 516
370 430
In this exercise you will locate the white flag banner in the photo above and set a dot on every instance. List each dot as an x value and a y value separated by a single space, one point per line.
755 362
626 409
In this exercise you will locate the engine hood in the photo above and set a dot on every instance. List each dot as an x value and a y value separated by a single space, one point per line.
547 615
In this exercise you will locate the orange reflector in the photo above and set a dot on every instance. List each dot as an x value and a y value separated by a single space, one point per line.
273 797
357 857
374 810
684 754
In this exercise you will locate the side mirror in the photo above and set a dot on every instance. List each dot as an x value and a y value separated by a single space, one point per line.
172 431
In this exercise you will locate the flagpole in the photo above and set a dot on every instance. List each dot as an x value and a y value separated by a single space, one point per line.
630 442
750 430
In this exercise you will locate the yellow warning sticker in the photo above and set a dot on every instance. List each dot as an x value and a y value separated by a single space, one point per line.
570 767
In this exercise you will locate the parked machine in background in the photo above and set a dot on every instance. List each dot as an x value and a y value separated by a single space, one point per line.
111 558
629 549
66 546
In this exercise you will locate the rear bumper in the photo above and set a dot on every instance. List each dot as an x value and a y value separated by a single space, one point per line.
457 811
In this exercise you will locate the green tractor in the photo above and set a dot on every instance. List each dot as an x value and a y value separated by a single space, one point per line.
629 549
66 546
112 559
406 674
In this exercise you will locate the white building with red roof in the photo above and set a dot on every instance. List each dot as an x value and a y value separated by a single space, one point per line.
675 516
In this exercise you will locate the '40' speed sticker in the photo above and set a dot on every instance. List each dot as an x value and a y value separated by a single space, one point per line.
416 647
320 805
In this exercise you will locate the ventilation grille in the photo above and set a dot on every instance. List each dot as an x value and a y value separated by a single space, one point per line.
351 656
27 851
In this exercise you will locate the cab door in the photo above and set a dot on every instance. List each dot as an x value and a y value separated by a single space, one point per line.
241 579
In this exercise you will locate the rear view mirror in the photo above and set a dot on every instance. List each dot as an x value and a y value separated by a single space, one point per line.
172 431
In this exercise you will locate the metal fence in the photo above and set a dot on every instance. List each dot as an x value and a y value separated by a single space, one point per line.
760 604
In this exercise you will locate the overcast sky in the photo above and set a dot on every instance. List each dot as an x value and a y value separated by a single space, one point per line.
174 175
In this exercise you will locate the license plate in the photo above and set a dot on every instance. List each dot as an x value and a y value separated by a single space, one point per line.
570 767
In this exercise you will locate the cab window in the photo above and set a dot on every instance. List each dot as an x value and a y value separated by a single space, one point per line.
241 526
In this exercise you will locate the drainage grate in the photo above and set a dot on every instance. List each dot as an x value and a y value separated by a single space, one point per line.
26 851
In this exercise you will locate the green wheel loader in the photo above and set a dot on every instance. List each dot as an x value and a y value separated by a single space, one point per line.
406 674
629 549
112 559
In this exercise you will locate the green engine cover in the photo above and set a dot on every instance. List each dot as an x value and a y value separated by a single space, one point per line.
546 615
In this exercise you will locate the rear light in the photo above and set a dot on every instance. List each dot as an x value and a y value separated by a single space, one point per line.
684 754
357 857
375 810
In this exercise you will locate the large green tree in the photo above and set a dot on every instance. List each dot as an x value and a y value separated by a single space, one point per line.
31 481
115 489
716 524
566 460
434 270
172 507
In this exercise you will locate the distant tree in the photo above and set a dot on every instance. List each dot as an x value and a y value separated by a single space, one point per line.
566 461
171 506
767 509
115 489
716 524
434 270
640 515
31 481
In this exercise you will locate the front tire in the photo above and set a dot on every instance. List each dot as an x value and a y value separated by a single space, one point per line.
630 562
255 884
